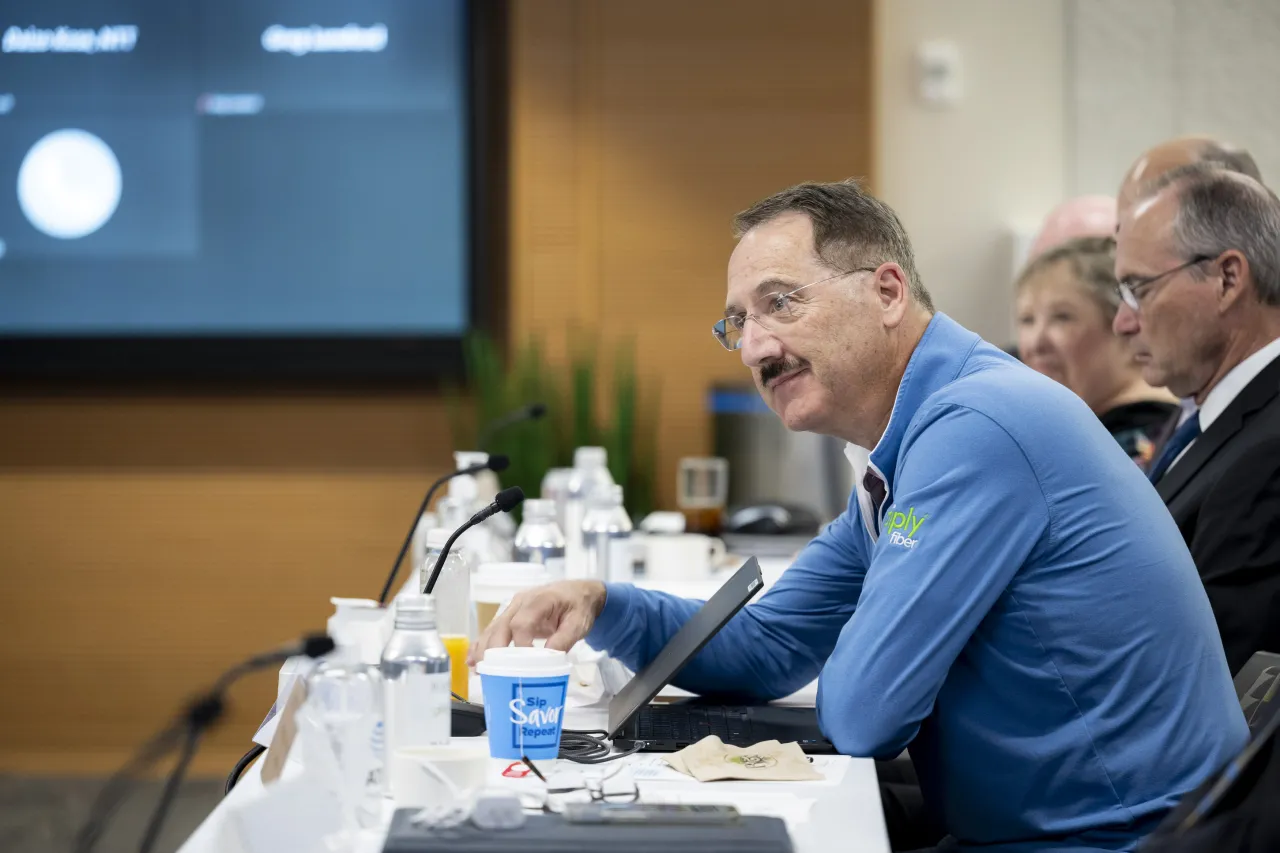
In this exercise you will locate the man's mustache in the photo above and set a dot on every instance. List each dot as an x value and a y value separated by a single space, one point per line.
773 369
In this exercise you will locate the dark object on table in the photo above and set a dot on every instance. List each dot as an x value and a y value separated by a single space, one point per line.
551 833
467 719
773 519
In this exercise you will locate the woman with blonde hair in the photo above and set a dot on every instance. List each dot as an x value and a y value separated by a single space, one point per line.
1066 300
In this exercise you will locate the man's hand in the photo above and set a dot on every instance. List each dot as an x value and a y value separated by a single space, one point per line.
561 613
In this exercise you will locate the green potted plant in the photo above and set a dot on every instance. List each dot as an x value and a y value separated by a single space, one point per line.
625 425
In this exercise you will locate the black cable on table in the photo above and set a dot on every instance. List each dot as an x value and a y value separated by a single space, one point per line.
171 786
592 747
245 760
116 788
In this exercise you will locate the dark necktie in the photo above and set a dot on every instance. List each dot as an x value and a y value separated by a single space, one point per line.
1178 442
876 490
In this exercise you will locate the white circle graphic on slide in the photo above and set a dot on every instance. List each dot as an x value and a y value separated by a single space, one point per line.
69 184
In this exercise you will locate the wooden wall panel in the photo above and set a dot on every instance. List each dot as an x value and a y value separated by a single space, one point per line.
641 128
148 541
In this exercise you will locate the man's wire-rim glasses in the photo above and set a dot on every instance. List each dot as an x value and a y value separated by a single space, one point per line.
593 785
1133 288
778 308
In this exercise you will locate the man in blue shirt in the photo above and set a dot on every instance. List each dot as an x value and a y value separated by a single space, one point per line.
1005 593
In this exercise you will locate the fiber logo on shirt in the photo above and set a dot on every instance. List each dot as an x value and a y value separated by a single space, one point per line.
902 527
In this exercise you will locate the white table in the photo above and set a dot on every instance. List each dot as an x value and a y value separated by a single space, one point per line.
840 817
845 816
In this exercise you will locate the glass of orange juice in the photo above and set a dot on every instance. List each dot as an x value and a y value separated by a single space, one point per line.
457 645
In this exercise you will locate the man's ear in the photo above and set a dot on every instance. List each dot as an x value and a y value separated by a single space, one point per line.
892 288
1237 279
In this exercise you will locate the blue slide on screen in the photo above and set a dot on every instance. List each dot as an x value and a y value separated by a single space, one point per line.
233 168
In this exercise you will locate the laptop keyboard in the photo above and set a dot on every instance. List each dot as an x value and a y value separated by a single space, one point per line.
689 724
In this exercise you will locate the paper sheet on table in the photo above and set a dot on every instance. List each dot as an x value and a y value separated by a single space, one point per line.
652 767
792 809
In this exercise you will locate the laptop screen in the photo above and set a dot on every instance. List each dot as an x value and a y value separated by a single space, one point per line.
687 642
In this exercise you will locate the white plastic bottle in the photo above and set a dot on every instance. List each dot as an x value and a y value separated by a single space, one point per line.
606 534
590 474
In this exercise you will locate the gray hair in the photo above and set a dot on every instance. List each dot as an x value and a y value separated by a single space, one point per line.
1220 210
851 228
1092 262
1226 156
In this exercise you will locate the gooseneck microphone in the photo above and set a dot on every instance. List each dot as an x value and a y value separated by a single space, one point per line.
185 731
506 500
531 412
496 463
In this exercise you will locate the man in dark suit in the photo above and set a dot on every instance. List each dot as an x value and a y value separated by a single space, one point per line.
1198 261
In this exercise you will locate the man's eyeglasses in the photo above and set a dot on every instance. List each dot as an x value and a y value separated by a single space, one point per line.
1133 288
777 309
594 787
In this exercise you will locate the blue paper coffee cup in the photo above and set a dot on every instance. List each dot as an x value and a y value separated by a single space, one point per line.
524 697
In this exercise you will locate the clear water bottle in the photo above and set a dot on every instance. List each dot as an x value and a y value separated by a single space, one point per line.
555 488
418 543
486 481
344 697
606 535
539 539
452 592
415 678
455 617
590 475
457 507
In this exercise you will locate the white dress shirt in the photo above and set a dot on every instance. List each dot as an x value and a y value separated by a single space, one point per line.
1230 387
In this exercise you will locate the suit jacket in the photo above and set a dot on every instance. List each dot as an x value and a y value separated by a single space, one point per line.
1224 495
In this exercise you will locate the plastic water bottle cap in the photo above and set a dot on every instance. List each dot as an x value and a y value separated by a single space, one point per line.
415 611
437 538
584 457
539 508
467 458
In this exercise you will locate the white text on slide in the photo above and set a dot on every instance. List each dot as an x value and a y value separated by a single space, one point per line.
316 39
114 39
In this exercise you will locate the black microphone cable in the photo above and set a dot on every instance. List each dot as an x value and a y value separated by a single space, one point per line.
531 412
243 764
184 732
592 747
496 463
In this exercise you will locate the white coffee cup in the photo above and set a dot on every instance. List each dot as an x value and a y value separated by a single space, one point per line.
493 585
684 556
416 772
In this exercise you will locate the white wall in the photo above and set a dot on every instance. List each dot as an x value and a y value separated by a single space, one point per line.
1146 70
961 176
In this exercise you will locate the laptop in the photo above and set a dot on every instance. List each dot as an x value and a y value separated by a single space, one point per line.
671 726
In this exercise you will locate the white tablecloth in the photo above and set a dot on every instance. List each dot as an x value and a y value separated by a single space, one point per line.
821 816
844 815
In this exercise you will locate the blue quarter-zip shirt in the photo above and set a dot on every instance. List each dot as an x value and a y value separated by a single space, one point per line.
1024 614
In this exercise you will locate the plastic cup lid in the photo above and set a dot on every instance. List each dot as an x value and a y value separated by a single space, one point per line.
357 608
514 573
497 582
524 661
